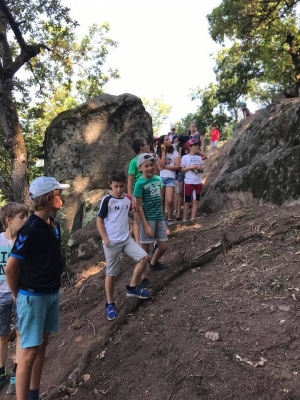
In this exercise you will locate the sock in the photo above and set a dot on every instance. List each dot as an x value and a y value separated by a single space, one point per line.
2 370
34 394
15 368
131 287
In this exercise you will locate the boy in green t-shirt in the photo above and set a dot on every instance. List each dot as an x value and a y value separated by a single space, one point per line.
139 146
152 226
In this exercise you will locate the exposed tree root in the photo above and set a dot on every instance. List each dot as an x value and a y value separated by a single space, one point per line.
132 304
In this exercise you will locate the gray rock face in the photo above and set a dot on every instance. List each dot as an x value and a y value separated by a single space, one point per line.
83 145
264 161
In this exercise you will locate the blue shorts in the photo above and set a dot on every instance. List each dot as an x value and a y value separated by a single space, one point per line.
214 144
168 182
37 315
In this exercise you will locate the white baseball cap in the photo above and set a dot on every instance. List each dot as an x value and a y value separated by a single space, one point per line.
43 185
144 157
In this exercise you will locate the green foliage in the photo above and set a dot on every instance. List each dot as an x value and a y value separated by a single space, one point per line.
159 112
209 112
266 39
59 79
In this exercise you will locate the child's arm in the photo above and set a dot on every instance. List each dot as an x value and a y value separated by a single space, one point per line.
147 227
129 188
130 184
12 275
102 230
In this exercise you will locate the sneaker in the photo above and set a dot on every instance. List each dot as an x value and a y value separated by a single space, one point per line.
144 284
3 379
12 384
158 266
169 222
138 292
111 312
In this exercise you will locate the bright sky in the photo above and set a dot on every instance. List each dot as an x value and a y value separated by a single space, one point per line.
164 47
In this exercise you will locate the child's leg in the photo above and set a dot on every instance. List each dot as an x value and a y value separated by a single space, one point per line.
135 251
159 252
146 247
195 205
3 350
38 316
160 235
169 196
23 376
180 198
109 288
136 229
112 256
163 195
38 364
188 191
5 320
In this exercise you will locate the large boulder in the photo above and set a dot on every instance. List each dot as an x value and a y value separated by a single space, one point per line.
83 145
263 162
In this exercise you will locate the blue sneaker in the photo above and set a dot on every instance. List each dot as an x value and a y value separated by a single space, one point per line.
138 292
111 312
12 384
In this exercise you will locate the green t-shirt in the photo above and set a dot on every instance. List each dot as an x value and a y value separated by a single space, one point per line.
149 189
133 169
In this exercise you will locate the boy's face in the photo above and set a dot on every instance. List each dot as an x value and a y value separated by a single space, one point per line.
147 169
194 148
117 188
17 222
56 203
145 148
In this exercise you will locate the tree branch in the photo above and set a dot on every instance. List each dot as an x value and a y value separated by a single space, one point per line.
27 54
13 24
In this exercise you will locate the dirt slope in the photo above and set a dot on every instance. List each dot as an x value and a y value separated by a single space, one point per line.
246 299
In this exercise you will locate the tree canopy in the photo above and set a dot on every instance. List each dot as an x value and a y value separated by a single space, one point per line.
58 71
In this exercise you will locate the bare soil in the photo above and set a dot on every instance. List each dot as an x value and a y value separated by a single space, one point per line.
224 330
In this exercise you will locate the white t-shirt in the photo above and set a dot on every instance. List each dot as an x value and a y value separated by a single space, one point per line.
115 211
5 249
191 176
170 161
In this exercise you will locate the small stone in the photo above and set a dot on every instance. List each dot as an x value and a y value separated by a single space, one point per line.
214 336
284 308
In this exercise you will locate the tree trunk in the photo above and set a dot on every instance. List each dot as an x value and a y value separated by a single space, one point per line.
15 145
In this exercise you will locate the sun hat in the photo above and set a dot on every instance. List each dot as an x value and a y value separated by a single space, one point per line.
43 185
143 158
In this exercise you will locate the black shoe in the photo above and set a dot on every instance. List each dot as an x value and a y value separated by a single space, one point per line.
145 283
158 266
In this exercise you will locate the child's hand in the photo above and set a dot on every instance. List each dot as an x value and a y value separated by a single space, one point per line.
163 147
149 231
107 242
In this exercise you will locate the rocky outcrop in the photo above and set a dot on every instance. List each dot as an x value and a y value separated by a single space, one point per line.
83 145
263 162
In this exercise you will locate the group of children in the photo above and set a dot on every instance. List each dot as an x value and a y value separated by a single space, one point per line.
31 257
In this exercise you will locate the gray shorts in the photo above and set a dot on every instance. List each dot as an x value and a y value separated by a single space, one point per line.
6 317
113 252
159 231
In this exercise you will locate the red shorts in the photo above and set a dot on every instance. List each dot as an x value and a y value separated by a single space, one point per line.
188 191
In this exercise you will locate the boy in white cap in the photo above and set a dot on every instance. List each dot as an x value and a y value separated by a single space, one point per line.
147 191
33 273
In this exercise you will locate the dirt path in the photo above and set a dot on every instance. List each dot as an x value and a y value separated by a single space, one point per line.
201 336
